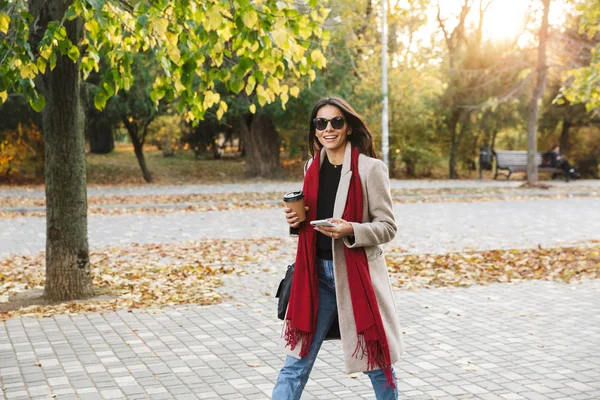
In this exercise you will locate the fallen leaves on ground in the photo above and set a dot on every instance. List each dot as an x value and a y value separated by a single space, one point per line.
151 204
564 264
144 275
157 210
158 275
237 198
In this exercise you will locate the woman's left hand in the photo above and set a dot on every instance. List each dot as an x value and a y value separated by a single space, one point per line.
341 229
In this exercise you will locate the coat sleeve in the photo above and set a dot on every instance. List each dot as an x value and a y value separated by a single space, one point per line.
382 226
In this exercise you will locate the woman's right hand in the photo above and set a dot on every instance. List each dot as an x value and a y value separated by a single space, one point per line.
292 217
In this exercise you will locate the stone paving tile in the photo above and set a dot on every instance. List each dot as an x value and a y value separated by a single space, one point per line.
514 341
541 348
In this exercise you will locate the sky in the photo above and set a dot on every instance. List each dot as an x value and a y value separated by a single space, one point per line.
504 19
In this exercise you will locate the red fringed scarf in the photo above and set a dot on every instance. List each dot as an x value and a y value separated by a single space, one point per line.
301 318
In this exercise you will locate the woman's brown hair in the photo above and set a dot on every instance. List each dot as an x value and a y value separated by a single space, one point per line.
360 138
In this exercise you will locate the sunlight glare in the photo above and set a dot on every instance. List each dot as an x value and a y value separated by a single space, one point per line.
505 20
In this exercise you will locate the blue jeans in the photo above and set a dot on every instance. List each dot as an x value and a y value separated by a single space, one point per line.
294 374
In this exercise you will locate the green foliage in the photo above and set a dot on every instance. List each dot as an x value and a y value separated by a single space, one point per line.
195 44
21 142
165 132
583 82
202 137
21 151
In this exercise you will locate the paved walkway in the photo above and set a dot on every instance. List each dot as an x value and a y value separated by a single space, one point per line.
422 227
533 340
283 186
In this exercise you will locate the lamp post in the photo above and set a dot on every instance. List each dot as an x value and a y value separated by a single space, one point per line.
385 146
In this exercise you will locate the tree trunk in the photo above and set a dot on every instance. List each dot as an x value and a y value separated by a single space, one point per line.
564 136
453 173
139 154
67 256
492 144
410 168
261 144
532 119
215 150
455 140
99 133
98 128
138 148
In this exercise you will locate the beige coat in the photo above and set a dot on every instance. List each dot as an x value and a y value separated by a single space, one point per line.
378 227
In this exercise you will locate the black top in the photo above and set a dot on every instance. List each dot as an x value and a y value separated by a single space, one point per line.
555 159
329 180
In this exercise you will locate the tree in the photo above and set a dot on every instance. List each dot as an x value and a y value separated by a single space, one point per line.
534 104
99 124
99 131
582 82
454 40
203 135
262 144
21 143
46 45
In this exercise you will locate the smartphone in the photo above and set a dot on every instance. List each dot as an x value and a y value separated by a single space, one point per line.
321 222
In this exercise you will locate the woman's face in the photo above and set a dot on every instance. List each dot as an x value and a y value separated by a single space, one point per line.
331 138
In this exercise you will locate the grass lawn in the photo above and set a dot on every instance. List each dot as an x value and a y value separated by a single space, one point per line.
121 167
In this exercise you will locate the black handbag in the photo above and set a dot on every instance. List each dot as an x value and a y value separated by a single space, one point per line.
283 292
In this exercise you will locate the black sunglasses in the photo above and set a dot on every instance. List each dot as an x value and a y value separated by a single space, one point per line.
336 123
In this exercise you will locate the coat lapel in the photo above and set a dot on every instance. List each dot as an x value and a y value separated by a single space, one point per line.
344 186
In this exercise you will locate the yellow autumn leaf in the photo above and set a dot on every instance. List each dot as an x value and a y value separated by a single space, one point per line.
315 16
267 65
250 19
252 108
250 85
3 96
160 26
280 38
318 58
41 64
45 53
28 71
305 32
295 91
213 19
225 33
179 87
274 84
172 49
4 23
210 99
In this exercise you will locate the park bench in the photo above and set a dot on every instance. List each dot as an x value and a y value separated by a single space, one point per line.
516 161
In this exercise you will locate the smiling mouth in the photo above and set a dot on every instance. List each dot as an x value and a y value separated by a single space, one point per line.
330 137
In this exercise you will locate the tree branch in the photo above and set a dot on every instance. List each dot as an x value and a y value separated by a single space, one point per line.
499 100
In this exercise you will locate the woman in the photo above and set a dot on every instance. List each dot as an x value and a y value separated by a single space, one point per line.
340 271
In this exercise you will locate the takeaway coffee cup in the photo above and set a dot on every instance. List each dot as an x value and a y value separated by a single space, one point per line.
295 201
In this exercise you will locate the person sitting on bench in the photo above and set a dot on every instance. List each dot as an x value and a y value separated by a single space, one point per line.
557 160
